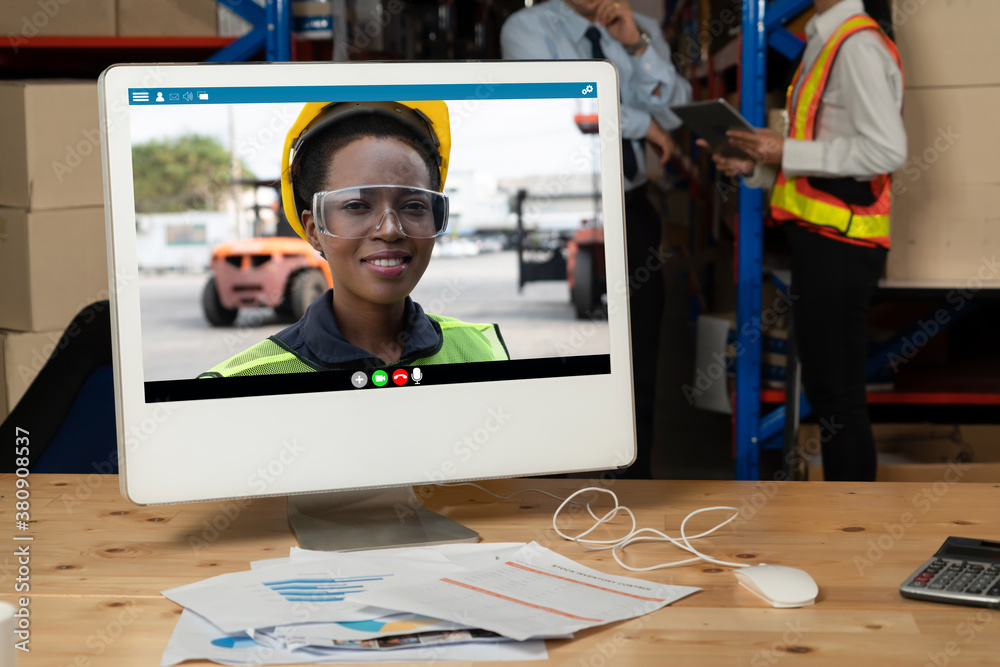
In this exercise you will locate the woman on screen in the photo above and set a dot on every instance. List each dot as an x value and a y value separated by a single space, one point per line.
362 182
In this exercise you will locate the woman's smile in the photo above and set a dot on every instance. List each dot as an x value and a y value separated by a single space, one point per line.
384 266
390 264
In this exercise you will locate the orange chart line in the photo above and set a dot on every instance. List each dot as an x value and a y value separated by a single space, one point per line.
521 602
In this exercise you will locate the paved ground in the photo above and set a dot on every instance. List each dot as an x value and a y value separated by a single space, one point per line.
178 342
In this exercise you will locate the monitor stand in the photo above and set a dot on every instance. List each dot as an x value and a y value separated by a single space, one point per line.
370 519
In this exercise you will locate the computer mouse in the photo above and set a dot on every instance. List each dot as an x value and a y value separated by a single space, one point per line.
779 585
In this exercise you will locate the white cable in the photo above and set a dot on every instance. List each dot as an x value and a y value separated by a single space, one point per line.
634 535
617 546
497 495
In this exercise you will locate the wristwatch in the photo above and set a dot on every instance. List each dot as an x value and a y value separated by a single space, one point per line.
643 41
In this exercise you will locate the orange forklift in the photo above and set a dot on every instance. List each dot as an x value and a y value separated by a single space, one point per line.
282 272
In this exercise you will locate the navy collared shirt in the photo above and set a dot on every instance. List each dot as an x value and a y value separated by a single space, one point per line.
317 338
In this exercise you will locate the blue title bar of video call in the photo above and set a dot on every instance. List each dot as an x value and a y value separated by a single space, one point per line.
302 94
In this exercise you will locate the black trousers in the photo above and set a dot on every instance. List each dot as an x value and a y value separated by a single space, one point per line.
646 293
832 286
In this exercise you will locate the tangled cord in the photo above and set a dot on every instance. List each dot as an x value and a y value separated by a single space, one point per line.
618 545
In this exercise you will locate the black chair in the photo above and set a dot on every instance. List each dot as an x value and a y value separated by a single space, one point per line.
69 409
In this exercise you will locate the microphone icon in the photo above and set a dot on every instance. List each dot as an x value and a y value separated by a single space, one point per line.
417 375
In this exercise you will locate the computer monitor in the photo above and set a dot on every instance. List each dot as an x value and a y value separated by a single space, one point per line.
192 163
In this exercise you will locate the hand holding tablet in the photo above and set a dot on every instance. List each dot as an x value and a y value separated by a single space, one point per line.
710 120
736 144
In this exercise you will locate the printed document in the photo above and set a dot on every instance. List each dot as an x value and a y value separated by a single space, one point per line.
536 593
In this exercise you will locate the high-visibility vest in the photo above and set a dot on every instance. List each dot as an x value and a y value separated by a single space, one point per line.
461 343
821 201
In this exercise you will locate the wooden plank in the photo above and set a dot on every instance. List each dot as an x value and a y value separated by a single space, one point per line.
98 565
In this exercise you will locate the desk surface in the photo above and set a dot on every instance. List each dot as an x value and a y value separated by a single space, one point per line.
98 564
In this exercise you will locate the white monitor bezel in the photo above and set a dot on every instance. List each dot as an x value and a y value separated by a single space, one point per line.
187 451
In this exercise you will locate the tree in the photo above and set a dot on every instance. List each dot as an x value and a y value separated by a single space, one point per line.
190 172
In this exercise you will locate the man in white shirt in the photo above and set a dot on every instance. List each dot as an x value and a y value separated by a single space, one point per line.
650 85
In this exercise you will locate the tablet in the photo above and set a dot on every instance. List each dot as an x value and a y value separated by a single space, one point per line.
710 120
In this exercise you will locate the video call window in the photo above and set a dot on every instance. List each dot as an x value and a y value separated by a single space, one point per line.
216 255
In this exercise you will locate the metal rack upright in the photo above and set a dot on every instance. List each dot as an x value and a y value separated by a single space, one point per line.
762 27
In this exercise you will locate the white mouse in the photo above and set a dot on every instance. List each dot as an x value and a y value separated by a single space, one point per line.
779 585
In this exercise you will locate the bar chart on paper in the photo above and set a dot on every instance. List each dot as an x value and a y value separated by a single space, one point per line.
284 594
321 589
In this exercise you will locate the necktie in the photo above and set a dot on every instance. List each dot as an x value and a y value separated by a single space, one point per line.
629 165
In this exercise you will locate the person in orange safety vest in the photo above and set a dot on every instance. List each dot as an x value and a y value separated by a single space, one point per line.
831 188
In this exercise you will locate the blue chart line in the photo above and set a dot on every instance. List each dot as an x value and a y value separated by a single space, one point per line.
320 590
329 589
235 642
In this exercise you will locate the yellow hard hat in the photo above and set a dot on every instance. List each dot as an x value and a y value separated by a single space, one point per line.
429 119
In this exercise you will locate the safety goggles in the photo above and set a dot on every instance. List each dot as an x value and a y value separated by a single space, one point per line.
358 212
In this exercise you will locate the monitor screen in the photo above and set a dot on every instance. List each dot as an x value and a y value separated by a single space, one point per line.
245 358
534 145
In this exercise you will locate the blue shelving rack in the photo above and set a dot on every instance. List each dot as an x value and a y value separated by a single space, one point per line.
272 32
762 28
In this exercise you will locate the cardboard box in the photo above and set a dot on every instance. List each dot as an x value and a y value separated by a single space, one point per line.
51 145
947 234
948 43
936 473
313 19
777 120
951 135
722 24
940 473
172 18
708 389
797 25
22 20
52 265
716 351
946 198
939 453
22 355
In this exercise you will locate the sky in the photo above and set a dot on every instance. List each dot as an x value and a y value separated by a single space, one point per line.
505 138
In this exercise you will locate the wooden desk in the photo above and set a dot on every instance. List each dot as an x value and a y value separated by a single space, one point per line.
98 564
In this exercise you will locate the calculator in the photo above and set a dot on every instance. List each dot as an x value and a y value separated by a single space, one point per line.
963 571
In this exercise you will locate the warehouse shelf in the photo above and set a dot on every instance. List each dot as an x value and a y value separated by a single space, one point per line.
760 22
967 392
726 57
947 397
112 42
708 73
907 397
968 383
88 56
85 55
